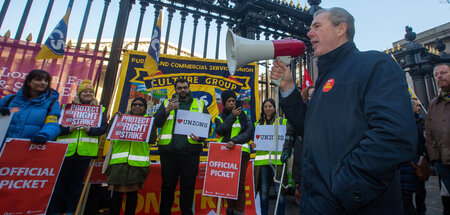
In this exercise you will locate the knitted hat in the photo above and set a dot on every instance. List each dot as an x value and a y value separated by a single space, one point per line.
85 85
140 99
226 95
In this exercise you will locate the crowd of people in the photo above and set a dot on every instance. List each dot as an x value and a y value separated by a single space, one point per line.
357 138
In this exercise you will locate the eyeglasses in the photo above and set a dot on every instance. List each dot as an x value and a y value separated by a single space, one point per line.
137 105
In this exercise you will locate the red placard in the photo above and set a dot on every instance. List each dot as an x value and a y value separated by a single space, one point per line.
149 197
223 168
28 173
131 128
81 114
97 177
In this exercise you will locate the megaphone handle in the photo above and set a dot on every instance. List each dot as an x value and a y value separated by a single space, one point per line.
285 59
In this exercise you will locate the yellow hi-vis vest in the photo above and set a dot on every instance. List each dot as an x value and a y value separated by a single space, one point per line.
79 141
131 152
166 131
262 157
234 132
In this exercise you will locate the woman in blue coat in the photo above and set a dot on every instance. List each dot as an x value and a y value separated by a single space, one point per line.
36 109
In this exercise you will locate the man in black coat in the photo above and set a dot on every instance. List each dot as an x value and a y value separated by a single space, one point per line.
234 127
358 127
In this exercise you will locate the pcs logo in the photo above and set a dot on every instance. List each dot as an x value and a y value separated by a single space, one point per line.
37 147
206 97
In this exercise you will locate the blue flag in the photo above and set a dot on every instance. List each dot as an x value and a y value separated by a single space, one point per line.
151 61
55 44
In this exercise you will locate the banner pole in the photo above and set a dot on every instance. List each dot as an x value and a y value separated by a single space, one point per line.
45 65
151 94
86 182
277 114
86 194
277 103
219 204
281 186
421 105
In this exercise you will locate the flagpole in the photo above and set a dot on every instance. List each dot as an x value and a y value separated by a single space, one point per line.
151 96
45 64
219 205
412 91
421 105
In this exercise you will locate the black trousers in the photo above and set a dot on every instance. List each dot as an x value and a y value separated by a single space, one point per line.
407 197
69 185
184 167
238 205
420 197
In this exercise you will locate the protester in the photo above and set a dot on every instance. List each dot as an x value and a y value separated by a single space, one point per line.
234 127
179 154
358 127
296 145
410 183
438 131
38 109
128 175
83 147
264 174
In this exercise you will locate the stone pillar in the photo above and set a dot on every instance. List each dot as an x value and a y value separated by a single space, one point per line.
419 85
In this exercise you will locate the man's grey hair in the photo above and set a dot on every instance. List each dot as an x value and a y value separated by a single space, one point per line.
339 15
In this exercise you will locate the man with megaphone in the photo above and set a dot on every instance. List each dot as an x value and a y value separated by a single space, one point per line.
358 127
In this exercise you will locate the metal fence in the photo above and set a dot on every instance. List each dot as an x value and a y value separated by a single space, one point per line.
262 19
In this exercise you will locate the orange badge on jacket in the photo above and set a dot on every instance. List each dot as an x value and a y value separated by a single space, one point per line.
328 85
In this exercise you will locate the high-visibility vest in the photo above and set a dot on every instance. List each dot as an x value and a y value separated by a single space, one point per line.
165 136
131 152
236 128
79 141
262 157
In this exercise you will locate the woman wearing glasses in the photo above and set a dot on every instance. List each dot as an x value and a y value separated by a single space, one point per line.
127 176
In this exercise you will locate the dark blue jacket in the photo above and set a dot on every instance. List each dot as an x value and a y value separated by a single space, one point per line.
31 119
358 127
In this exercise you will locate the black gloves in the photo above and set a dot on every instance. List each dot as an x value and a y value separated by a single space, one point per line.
39 138
5 111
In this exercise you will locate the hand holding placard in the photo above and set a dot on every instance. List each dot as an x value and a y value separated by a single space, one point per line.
131 128
223 167
81 115
190 122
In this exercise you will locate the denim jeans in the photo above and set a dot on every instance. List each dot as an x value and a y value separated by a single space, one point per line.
266 178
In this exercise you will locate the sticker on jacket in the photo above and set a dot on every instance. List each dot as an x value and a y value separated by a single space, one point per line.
14 109
328 85
51 118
